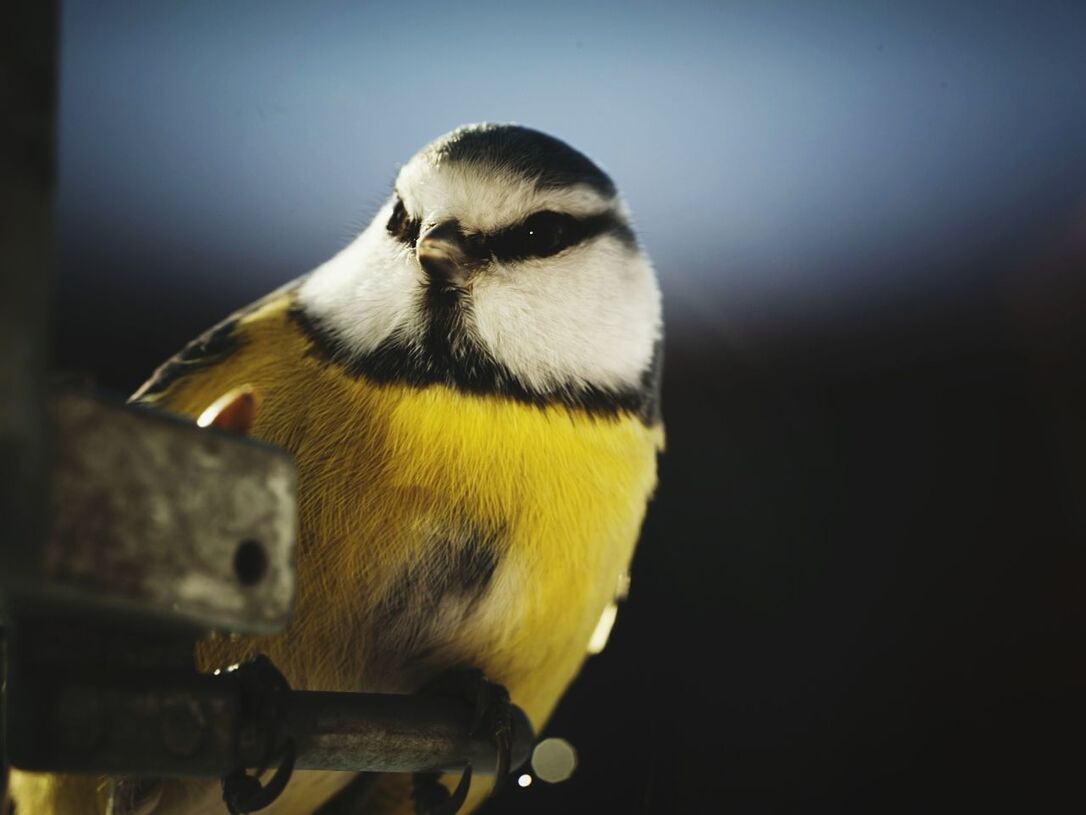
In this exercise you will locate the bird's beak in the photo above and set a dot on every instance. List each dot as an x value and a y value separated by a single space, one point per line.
442 255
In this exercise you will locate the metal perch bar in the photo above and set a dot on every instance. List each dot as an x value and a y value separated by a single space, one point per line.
201 725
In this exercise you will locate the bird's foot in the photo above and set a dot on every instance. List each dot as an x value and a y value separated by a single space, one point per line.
491 718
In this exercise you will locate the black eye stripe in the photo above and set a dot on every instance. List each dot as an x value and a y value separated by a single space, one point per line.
547 233
402 227
542 234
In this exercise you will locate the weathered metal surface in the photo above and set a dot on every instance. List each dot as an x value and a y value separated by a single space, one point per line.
141 712
135 710
190 726
151 514
387 733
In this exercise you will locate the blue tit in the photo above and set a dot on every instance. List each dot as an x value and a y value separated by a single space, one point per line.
470 391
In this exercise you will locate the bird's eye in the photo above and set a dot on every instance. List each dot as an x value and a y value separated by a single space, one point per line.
541 235
402 227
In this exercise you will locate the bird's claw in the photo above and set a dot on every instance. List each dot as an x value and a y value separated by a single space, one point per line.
491 717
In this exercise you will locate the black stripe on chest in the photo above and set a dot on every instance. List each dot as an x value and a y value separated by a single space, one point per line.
449 356
426 604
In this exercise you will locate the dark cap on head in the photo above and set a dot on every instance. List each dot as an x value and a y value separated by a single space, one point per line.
526 152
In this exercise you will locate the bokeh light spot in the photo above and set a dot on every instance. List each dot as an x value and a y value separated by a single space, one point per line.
554 760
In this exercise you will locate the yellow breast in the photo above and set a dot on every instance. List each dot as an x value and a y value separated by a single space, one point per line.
437 528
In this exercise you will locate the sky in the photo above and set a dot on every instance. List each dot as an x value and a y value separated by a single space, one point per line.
779 158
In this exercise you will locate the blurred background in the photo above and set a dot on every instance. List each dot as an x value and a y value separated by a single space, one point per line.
861 584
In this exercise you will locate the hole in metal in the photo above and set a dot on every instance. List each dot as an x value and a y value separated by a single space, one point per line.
250 562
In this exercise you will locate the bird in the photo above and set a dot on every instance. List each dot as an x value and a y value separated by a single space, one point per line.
471 392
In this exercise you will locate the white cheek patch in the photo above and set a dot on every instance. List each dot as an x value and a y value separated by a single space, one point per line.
588 316
368 291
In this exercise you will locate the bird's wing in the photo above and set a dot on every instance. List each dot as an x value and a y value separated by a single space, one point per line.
207 350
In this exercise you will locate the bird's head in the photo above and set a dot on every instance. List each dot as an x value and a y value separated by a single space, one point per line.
503 261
